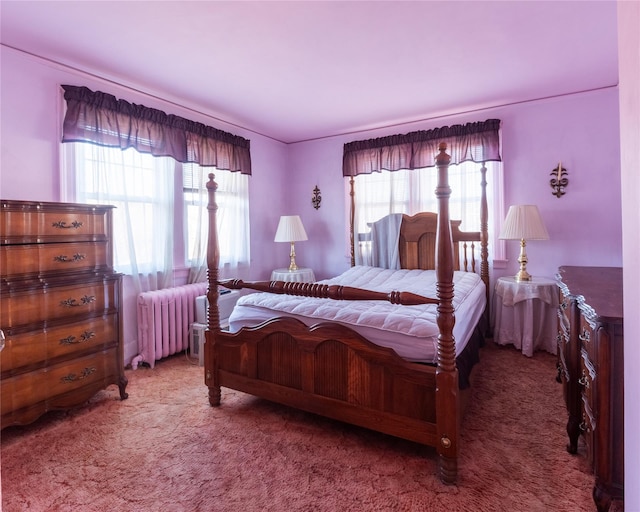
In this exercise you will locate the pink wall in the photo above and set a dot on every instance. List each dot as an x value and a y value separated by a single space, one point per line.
29 158
629 65
580 130
584 226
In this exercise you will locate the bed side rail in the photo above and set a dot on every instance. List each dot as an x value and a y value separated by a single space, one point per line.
324 291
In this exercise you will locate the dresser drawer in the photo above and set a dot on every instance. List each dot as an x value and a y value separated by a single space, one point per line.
28 389
28 308
30 350
587 338
37 259
587 379
24 222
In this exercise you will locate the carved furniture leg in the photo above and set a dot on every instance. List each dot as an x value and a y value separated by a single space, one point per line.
122 384
214 395
601 498
573 430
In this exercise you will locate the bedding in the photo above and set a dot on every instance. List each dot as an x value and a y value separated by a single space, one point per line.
411 331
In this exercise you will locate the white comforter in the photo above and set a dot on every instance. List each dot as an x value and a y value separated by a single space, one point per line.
411 331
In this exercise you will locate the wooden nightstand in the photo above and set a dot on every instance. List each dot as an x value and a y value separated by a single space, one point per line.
302 275
525 314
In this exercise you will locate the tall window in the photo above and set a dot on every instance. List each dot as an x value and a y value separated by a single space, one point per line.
153 167
411 191
141 187
149 212
395 174
232 197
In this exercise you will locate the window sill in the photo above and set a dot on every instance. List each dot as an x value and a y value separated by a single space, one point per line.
500 264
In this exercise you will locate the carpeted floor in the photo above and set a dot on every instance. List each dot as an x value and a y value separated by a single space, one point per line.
165 449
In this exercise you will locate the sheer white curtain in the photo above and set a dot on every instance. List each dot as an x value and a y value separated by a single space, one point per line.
232 197
376 195
142 188
412 191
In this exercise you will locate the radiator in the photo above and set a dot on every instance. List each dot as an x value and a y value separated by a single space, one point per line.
164 319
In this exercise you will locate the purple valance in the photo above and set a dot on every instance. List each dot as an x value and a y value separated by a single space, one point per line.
102 119
477 142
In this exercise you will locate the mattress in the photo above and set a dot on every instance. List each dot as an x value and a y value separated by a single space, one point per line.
411 331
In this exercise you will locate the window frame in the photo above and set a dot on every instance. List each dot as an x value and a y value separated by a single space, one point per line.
422 198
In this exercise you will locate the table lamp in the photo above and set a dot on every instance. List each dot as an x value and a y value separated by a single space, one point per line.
523 223
290 229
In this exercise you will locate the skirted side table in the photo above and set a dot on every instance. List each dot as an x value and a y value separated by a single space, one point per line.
525 314
302 275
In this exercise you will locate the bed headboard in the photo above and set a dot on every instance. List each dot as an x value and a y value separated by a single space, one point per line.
418 233
417 244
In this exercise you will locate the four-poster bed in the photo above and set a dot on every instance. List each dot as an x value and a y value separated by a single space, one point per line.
329 369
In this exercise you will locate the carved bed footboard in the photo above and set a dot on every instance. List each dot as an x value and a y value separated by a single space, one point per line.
329 370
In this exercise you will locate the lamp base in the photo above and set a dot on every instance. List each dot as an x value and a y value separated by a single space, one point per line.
523 275
292 259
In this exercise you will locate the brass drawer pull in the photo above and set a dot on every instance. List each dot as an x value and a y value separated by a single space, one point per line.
66 259
72 377
583 380
559 372
63 225
585 336
84 337
72 303
584 427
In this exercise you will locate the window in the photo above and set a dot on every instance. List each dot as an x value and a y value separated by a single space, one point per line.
140 186
110 143
410 186
412 191
232 197
149 211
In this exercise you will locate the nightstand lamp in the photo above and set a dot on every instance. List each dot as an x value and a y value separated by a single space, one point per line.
523 223
290 229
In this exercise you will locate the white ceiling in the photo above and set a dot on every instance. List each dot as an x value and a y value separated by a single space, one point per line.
299 70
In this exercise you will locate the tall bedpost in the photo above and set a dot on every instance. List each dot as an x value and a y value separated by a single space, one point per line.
447 410
484 242
352 218
211 378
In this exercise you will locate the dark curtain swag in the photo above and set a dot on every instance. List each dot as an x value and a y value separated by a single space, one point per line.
102 119
477 142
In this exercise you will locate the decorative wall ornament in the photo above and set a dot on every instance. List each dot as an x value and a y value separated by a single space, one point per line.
559 181
316 198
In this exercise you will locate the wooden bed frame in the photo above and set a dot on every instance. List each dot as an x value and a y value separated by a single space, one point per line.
329 369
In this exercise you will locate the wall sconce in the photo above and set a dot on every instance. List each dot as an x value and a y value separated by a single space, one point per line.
559 180
316 198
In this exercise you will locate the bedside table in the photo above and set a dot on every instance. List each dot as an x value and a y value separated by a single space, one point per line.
302 275
526 314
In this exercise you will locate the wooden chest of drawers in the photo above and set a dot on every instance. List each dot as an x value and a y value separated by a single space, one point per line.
590 366
59 308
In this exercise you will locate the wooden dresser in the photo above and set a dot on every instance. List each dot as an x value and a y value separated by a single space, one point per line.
60 307
590 367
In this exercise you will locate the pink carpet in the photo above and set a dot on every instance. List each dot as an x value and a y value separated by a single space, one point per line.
166 449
